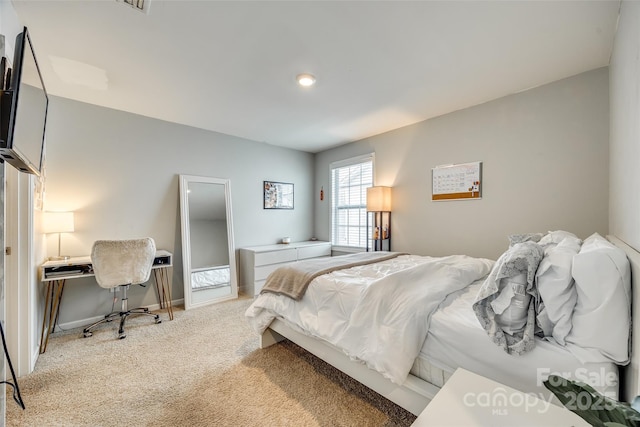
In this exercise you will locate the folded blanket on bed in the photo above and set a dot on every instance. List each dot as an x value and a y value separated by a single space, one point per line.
292 280
505 305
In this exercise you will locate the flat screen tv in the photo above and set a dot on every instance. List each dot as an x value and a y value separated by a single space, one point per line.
23 110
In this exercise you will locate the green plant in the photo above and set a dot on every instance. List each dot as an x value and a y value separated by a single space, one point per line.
593 407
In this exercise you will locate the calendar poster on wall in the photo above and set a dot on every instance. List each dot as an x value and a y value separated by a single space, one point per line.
457 182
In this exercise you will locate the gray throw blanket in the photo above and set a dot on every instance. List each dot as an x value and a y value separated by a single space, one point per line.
505 304
292 280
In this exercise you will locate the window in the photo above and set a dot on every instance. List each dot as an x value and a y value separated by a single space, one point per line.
349 182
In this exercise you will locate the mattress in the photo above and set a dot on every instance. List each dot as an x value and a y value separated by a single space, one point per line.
456 339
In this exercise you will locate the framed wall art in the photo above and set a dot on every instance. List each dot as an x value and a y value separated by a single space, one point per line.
278 195
457 182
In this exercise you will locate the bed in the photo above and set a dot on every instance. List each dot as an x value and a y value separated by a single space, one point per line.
210 277
453 329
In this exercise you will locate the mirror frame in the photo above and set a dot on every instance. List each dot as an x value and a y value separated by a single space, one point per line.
186 239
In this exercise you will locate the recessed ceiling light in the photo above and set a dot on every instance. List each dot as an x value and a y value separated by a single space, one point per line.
306 80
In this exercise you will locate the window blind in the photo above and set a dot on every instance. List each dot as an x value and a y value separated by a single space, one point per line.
349 182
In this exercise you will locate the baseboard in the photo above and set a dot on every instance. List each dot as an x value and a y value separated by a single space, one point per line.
88 321
34 358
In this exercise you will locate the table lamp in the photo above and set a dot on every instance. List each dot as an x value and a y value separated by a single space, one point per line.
58 222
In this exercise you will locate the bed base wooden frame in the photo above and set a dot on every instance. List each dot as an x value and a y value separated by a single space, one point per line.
413 395
416 393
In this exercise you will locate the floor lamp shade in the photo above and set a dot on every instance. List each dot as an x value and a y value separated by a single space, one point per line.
379 199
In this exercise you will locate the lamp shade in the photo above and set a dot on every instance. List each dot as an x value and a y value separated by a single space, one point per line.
379 199
57 222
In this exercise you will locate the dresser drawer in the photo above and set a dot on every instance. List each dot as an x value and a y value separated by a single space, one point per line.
274 257
262 272
257 286
314 251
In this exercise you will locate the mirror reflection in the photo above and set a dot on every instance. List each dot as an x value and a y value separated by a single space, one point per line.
207 241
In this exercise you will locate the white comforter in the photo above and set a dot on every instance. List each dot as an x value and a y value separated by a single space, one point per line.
379 313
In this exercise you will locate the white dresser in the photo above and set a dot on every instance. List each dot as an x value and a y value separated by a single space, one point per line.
257 262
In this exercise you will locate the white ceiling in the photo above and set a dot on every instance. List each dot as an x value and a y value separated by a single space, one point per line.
230 66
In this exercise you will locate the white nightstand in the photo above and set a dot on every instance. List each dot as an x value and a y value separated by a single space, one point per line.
468 400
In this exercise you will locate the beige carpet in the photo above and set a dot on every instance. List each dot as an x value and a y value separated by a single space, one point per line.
204 368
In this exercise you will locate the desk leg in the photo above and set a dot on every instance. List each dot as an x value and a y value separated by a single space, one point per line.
51 310
164 293
55 320
160 300
47 302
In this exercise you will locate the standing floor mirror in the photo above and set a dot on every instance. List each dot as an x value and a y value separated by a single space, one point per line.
208 252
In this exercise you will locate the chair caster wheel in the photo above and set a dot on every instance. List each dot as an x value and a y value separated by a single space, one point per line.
158 319
87 334
122 336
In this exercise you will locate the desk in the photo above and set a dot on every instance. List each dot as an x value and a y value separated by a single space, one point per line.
55 273
468 399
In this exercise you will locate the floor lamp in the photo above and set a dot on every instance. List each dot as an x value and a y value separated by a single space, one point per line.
379 203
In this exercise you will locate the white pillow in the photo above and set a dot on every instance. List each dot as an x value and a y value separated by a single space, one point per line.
556 289
602 315
555 237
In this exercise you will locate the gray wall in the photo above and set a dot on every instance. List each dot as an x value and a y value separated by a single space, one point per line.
119 173
624 208
545 167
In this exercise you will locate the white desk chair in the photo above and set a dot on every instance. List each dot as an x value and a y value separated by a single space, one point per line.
120 264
